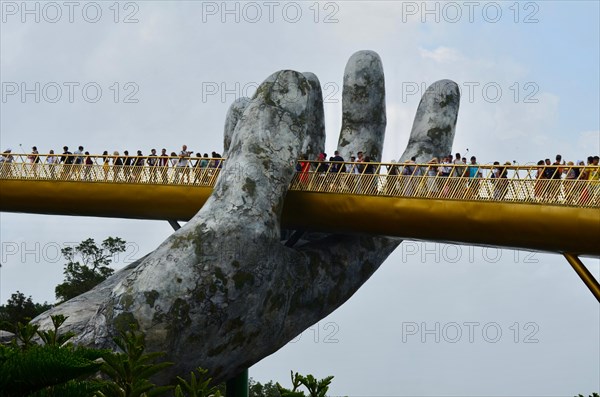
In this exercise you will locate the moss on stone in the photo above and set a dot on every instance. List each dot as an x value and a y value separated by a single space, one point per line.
242 278
217 350
212 289
256 149
179 313
437 134
158 317
127 301
360 94
298 302
151 297
181 241
220 275
266 164
448 100
346 117
343 143
234 324
199 295
249 186
238 339
275 303
125 322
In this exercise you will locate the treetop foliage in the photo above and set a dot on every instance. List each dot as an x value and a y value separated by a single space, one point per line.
94 267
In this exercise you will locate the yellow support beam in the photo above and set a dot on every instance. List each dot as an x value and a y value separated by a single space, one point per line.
585 275
526 226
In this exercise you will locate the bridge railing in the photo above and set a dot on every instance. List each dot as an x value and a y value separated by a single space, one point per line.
555 185
163 170
563 185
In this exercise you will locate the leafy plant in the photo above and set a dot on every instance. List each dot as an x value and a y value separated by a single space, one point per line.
130 370
296 382
316 388
57 369
42 367
196 387
53 337
24 335
72 388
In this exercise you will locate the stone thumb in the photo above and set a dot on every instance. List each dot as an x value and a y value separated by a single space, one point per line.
249 194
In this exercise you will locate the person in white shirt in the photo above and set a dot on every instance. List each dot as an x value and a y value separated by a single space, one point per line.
79 154
182 164
459 169
51 162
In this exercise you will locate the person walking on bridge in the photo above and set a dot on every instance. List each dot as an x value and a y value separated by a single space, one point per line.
474 174
67 162
182 165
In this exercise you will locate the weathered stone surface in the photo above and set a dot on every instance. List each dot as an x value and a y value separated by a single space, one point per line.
314 143
363 101
435 123
6 337
223 292
234 114
216 293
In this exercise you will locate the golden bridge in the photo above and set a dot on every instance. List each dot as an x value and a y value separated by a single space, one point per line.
518 210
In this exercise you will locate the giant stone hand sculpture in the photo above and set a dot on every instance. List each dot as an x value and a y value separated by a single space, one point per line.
224 291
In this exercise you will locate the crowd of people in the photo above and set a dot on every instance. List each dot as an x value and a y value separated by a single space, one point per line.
449 166
188 167
427 179
183 158
124 167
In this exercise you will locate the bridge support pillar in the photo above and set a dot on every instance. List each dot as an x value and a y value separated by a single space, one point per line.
174 224
587 277
238 386
294 238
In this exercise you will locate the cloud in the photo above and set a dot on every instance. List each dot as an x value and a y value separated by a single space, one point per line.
589 141
442 55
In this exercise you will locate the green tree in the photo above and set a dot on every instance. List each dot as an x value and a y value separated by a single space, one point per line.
93 268
19 309
259 390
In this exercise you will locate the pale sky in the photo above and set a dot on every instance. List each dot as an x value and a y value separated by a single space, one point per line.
143 74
